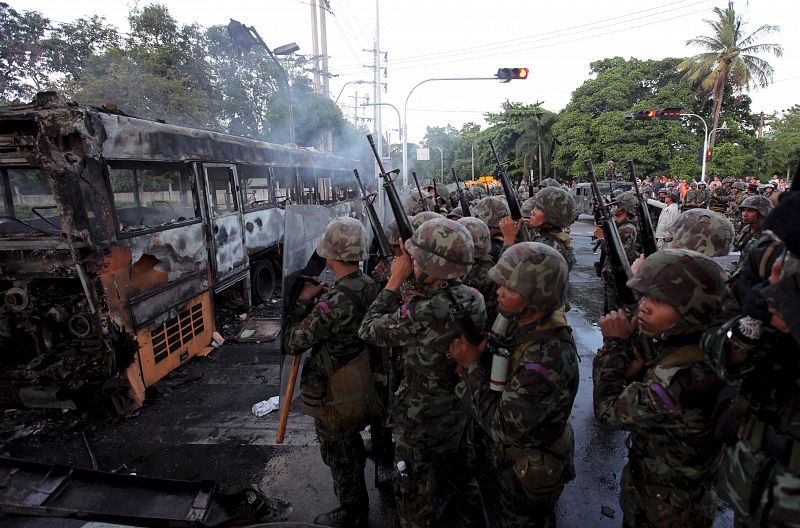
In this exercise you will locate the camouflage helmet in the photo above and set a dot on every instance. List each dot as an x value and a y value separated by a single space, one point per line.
703 183
442 248
769 186
393 232
739 185
455 213
497 190
536 271
726 180
691 283
491 209
549 182
413 204
344 239
647 189
527 207
420 218
481 238
478 192
760 204
704 231
627 202
557 205
693 185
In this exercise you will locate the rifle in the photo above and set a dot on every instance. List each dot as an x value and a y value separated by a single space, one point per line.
419 190
294 284
462 199
648 233
403 223
380 237
511 197
620 267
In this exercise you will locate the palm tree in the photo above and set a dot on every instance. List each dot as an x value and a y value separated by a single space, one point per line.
731 57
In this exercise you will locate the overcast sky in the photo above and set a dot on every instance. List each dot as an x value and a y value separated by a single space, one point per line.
467 38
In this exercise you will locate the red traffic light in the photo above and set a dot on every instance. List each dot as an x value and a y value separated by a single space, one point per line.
509 74
709 153
645 115
670 113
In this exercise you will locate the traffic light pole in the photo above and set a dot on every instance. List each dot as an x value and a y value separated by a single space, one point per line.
705 145
405 114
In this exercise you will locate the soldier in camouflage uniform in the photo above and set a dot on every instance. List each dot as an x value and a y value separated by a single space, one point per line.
754 210
703 195
759 349
691 197
329 326
430 422
737 197
420 218
704 231
478 275
415 204
491 210
667 404
531 440
623 210
721 197
550 211
549 182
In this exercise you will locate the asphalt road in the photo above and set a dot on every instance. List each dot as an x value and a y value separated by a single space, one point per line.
199 425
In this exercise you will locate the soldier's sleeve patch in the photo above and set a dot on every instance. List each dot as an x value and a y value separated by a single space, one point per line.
323 305
538 367
662 395
404 310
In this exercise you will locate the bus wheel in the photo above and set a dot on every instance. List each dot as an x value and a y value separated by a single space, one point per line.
263 281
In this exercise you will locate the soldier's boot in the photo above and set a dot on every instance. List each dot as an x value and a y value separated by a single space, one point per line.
382 454
345 516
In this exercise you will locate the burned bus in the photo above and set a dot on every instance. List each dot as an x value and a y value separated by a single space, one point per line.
119 234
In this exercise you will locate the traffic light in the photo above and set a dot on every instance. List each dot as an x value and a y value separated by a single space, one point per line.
709 153
670 113
645 115
509 74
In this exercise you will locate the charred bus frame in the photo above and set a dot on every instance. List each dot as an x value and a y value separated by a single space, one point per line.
117 232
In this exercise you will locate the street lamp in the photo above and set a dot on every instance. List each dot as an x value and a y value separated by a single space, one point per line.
345 86
247 37
441 158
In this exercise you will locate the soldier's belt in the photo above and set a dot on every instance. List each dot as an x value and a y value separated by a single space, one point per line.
761 436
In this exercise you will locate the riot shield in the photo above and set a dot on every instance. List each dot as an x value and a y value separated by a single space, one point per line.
303 228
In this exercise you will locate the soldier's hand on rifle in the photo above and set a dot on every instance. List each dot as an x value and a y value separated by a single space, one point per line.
402 268
616 324
465 353
598 232
510 230
637 264
311 290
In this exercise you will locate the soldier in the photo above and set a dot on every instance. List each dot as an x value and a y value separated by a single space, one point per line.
329 328
703 195
623 210
549 182
754 210
704 231
415 204
531 440
667 404
690 198
478 276
430 422
491 210
721 196
737 197
759 349
757 251
768 190
420 218
551 211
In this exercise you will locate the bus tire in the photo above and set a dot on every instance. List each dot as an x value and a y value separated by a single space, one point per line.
263 280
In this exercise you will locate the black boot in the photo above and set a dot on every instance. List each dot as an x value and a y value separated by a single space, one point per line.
344 517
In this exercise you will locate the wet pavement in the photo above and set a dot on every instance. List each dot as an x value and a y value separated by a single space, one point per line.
199 425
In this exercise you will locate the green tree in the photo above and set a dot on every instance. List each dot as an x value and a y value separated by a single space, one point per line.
22 55
732 57
783 147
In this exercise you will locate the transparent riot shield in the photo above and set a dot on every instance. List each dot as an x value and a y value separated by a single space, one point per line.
304 226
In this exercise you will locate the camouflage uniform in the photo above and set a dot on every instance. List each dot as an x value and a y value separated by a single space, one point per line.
491 210
704 231
760 471
672 452
737 197
478 275
703 195
628 235
413 204
430 422
721 196
527 421
329 327
559 213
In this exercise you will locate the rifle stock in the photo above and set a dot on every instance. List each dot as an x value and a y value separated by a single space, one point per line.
511 197
645 222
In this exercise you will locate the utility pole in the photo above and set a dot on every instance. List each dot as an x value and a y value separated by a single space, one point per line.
315 44
323 26
377 76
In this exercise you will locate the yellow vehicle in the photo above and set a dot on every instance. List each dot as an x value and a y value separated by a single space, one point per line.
482 181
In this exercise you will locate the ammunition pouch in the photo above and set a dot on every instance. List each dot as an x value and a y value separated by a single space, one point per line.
542 473
350 400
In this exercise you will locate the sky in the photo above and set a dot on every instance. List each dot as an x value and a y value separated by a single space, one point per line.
467 38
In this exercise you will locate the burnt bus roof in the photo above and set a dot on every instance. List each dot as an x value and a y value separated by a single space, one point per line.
132 138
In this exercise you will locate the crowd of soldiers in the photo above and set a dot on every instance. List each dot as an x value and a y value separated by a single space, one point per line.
703 370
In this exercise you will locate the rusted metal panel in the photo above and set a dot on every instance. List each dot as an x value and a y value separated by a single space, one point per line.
156 306
263 229
179 250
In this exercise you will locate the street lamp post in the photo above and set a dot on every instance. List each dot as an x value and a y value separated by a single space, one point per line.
405 114
399 122
247 37
706 136
345 86
441 158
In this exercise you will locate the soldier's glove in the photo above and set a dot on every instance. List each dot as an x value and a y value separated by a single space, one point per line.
754 305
